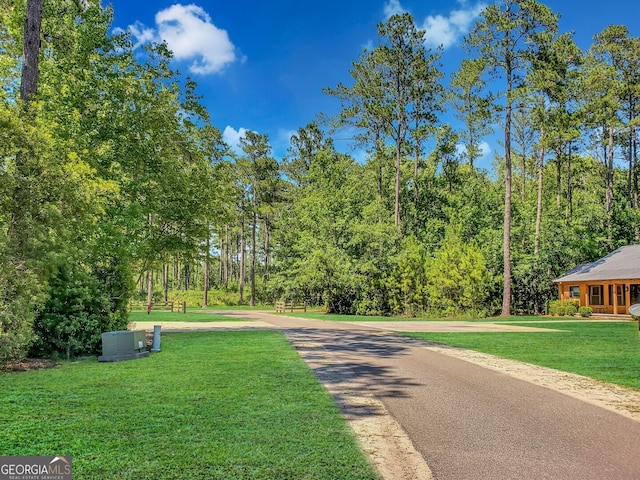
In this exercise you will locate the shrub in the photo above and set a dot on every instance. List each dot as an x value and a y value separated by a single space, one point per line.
76 313
569 308
16 334
585 311
19 293
555 308
572 303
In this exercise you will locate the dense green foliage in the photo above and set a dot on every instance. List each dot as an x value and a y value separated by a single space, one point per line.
607 351
106 170
179 414
111 173
77 310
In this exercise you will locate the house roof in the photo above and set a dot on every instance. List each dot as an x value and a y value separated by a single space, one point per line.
622 264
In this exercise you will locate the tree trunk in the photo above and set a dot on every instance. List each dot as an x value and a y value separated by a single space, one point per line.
396 205
506 290
149 288
31 49
635 173
569 187
634 203
252 300
227 256
165 282
609 194
416 192
630 172
536 248
471 151
205 294
221 263
558 153
523 189
242 261
17 231
267 247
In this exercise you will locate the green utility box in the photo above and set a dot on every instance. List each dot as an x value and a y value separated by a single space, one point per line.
123 345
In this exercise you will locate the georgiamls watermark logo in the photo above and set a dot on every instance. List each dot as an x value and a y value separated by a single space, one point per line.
35 468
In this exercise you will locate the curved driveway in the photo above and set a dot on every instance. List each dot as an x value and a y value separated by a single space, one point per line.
470 422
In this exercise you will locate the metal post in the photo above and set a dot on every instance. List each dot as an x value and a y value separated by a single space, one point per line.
156 339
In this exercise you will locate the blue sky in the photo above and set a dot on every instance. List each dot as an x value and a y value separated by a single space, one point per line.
262 66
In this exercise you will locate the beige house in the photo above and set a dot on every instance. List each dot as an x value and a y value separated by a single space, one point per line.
608 285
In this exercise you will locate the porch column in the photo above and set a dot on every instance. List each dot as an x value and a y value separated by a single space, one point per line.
586 295
627 297
561 293
614 291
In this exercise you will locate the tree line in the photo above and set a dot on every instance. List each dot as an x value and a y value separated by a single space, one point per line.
116 185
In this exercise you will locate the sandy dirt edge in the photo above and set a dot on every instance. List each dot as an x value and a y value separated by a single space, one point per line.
381 437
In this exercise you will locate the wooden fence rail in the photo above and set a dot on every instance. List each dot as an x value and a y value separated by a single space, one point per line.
282 307
168 306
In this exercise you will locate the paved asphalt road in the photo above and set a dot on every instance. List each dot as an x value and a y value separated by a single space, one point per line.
470 422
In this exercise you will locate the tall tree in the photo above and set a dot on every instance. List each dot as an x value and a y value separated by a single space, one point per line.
395 91
553 82
259 170
502 37
603 89
472 105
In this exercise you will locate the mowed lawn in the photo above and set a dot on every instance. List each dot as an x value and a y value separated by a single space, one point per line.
210 405
608 351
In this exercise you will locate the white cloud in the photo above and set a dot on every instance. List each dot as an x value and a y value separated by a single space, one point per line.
285 135
485 150
232 137
191 36
142 34
446 31
393 7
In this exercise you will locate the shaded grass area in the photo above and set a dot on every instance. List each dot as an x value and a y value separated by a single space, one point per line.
361 318
608 351
211 405
190 316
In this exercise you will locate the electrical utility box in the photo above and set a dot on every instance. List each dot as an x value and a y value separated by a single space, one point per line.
123 345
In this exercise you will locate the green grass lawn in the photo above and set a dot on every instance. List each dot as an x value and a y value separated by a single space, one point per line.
223 405
190 316
608 351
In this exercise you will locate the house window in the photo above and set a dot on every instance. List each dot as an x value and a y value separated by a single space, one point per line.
634 293
619 293
574 291
595 295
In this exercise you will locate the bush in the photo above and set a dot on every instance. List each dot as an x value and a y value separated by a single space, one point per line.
585 311
76 313
572 303
569 308
16 334
555 308
19 293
